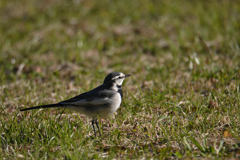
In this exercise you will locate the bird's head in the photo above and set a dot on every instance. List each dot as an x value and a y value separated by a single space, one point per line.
115 79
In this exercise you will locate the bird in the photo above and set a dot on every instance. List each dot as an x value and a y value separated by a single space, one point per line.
99 102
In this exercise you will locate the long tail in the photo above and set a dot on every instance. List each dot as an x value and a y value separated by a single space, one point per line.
44 106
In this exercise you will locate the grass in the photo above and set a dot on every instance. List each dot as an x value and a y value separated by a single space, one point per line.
181 102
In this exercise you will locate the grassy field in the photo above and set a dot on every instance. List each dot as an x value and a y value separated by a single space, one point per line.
181 102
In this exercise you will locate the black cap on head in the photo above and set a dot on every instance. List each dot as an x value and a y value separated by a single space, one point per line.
109 77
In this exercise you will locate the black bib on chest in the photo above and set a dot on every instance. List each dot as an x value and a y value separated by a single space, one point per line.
120 91
119 87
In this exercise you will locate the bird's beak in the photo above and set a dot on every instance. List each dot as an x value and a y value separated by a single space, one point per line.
127 75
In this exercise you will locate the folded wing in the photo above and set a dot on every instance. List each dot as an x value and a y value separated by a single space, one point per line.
90 99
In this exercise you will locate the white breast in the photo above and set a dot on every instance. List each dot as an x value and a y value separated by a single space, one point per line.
111 108
117 99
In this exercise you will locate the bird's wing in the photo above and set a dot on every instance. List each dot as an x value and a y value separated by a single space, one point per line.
82 96
90 98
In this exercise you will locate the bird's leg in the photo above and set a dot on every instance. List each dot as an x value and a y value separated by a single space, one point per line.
98 127
94 127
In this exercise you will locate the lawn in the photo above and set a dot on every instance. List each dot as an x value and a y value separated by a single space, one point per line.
181 102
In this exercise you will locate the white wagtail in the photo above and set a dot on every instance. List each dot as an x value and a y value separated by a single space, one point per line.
100 102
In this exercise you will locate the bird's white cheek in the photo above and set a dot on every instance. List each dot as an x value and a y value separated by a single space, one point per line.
119 82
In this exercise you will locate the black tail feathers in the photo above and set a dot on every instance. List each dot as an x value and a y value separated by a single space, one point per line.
43 106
